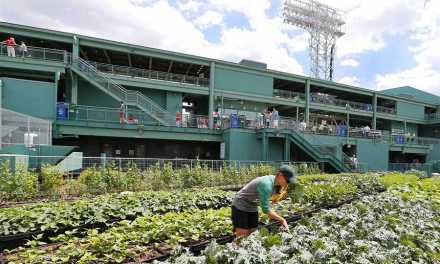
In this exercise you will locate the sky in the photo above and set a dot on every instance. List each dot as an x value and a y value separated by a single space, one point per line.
387 43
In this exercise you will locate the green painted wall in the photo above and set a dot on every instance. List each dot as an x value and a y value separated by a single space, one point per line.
434 155
241 145
410 110
373 156
158 96
174 102
243 82
276 148
33 98
89 95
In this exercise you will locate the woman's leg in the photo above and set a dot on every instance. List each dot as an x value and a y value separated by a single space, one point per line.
241 232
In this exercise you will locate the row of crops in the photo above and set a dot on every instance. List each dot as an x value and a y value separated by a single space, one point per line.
141 226
49 183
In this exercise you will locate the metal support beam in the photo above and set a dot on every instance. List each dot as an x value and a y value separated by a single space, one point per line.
286 149
56 80
169 67
150 66
374 125
107 57
297 114
211 96
307 110
129 60
74 77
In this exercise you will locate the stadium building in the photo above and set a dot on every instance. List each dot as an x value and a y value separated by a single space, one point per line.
65 93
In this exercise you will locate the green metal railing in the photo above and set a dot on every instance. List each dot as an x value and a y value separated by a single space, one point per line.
149 74
130 117
432 117
36 53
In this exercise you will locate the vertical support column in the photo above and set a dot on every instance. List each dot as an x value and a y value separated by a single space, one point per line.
297 115
56 79
75 56
211 96
264 146
307 110
286 149
374 125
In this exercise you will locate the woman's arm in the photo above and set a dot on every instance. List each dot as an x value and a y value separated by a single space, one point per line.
273 215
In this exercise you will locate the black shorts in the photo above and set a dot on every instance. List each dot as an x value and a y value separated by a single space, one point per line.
242 219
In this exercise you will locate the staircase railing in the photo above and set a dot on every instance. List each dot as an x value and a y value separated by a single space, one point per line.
322 152
129 97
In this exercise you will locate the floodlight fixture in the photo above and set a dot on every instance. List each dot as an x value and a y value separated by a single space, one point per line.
324 25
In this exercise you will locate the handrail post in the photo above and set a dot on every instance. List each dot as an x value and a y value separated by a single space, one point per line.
65 57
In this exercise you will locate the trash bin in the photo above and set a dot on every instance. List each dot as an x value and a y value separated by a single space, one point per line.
62 109
234 121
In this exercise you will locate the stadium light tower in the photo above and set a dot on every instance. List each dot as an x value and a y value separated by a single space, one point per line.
324 24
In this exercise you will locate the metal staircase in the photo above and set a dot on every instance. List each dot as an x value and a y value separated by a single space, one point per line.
314 152
132 98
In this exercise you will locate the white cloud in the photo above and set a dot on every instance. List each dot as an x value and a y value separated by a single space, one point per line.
418 77
210 18
350 80
370 22
190 5
350 63
425 74
158 24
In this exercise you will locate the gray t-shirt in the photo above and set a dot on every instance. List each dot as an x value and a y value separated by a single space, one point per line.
258 190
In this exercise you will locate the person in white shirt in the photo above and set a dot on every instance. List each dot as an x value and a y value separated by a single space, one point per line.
23 49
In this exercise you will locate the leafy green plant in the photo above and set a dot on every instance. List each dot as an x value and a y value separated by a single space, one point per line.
52 180
17 185
104 209
92 180
125 241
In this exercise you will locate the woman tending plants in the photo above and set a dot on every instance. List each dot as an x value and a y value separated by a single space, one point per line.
245 208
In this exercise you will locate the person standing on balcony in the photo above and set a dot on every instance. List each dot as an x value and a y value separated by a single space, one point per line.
10 46
122 111
267 119
178 119
23 49
275 117
260 191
